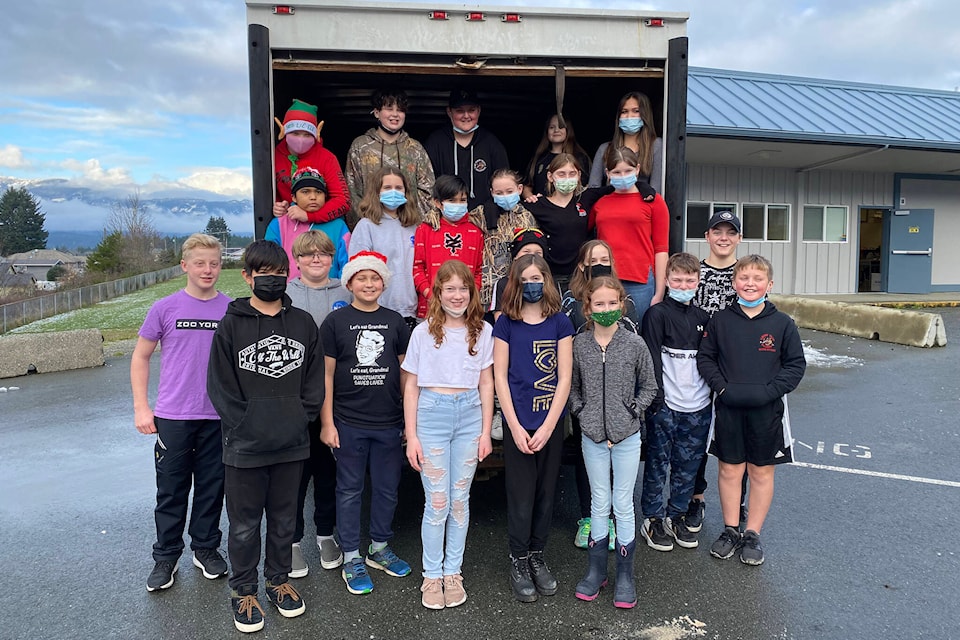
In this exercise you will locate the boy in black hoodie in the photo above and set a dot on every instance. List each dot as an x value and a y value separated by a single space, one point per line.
265 379
751 357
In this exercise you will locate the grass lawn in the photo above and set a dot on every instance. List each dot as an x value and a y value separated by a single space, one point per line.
120 318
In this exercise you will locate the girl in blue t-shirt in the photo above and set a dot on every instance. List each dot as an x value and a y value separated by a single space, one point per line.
533 364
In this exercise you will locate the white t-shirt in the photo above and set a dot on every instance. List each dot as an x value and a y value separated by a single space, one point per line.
450 365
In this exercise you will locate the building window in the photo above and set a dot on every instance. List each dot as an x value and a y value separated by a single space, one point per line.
766 222
824 224
699 214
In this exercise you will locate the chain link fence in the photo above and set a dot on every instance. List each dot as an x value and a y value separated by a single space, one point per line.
15 314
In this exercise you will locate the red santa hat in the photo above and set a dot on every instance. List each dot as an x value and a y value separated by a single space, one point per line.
366 260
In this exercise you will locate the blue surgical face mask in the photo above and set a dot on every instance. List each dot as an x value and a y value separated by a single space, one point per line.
470 130
507 202
631 125
681 295
750 305
532 291
622 183
392 199
454 211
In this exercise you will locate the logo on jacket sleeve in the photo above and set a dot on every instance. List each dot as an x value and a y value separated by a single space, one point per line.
452 242
274 356
767 343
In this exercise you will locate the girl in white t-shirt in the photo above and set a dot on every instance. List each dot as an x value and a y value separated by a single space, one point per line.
448 411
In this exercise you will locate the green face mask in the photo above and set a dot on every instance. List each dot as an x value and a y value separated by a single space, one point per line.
606 318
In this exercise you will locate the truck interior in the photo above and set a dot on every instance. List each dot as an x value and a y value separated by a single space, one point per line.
518 96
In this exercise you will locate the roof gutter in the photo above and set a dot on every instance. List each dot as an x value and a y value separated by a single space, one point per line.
849 156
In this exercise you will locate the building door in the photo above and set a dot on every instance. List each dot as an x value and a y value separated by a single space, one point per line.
871 249
910 257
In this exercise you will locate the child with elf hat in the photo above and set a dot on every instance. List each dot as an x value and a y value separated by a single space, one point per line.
301 146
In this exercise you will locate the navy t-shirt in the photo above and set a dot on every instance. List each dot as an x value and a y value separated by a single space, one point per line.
532 373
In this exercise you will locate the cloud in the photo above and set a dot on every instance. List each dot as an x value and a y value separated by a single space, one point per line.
230 182
34 115
11 156
91 174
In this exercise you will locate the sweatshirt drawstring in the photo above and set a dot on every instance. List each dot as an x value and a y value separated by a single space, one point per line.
456 164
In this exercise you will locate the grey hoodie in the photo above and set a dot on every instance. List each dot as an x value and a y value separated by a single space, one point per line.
603 392
320 301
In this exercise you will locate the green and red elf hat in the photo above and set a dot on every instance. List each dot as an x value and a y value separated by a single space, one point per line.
301 116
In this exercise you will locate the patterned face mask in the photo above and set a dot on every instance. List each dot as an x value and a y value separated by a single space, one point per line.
606 318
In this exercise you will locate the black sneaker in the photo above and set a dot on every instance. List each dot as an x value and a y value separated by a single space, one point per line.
286 599
726 544
520 581
655 534
162 575
750 550
247 612
694 516
542 578
681 534
210 562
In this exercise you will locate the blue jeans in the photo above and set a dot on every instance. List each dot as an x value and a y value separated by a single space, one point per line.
448 427
641 293
624 458
676 441
380 448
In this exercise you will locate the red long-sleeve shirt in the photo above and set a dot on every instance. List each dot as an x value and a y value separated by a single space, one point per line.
432 247
635 230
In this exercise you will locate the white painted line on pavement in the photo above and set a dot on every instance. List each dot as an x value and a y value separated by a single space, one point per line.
877 474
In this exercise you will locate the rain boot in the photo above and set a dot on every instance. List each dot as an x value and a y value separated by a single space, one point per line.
625 592
589 587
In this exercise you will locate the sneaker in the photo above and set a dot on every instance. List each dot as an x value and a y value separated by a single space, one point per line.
331 556
298 564
694 516
582 538
210 562
750 550
286 598
611 535
432 590
247 612
726 544
162 575
453 593
681 534
387 560
655 534
356 577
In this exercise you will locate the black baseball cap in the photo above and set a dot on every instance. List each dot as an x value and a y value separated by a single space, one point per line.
724 216
460 97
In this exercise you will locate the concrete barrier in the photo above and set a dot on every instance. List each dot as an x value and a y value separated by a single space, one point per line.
900 326
25 353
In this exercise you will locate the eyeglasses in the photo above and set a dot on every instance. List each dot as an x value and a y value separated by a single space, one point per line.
314 256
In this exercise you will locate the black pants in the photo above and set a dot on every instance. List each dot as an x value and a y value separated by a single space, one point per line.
250 493
322 467
187 452
531 483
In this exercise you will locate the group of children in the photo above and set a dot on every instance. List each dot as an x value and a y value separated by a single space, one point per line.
318 378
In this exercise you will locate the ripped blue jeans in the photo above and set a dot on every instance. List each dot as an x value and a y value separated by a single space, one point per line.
448 427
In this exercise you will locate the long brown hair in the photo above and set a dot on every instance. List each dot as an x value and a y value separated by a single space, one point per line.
513 292
579 280
474 314
610 282
646 136
562 160
371 208
570 145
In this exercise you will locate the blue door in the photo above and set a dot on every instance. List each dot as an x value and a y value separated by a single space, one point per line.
910 257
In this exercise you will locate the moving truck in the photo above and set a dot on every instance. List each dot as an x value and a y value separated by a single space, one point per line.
525 64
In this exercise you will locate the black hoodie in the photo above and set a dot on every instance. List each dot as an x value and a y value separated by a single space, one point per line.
266 381
474 164
750 362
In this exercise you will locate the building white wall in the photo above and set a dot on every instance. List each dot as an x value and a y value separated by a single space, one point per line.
943 196
799 267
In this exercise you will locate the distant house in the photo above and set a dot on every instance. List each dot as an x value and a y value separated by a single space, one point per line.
10 279
39 261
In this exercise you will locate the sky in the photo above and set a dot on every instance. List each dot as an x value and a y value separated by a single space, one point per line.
152 94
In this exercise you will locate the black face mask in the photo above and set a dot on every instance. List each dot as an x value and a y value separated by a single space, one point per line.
389 131
269 288
600 270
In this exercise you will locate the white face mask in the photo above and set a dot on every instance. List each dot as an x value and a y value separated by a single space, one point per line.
453 313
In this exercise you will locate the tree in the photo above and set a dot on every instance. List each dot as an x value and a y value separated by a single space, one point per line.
107 257
134 223
56 272
217 227
21 222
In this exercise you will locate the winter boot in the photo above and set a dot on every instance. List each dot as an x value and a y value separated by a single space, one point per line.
589 587
625 592
542 578
520 581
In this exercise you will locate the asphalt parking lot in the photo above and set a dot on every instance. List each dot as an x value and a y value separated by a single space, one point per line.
861 542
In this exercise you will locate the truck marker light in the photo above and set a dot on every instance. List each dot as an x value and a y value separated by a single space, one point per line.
654 22
284 9
475 16
438 15
511 17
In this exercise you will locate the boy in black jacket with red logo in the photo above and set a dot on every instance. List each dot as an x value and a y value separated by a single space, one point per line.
751 357
265 379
